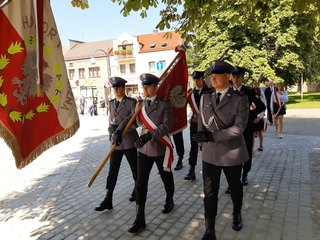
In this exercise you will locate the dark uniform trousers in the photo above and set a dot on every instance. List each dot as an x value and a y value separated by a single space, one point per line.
179 144
144 167
115 162
248 138
211 182
193 154
267 94
249 131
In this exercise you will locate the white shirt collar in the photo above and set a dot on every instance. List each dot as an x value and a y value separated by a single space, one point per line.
224 92
152 98
234 88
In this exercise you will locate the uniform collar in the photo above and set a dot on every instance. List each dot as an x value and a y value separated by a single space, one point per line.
237 89
224 92
119 99
152 98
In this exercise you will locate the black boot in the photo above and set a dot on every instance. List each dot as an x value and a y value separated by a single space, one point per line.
245 179
210 232
133 196
179 164
168 206
139 222
191 175
237 221
106 203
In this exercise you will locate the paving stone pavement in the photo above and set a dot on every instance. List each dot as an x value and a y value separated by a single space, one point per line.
49 199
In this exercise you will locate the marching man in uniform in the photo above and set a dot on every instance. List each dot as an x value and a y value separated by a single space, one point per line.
223 118
154 146
194 101
120 108
256 106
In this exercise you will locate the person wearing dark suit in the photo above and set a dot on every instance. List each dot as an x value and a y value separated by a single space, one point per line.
120 107
193 99
154 146
179 144
221 123
268 92
256 107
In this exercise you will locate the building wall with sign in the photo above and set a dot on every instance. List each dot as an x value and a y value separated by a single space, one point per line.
91 64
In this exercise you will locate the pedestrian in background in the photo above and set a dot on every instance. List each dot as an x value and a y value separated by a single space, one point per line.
278 107
82 105
268 92
120 108
223 119
260 123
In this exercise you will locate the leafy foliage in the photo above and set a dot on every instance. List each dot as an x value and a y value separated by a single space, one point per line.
274 39
189 14
279 47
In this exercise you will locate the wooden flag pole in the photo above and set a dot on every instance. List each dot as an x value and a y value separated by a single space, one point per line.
113 147
132 119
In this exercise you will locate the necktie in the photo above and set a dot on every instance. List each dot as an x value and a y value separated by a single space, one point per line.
148 103
218 98
117 103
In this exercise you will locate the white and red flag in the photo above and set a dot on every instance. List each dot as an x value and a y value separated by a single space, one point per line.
37 107
173 87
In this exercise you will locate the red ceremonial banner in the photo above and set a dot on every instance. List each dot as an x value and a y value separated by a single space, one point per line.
173 87
31 60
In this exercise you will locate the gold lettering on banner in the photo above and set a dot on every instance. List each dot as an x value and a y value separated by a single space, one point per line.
69 101
28 22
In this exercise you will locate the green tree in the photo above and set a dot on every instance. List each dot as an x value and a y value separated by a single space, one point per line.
189 14
278 38
279 47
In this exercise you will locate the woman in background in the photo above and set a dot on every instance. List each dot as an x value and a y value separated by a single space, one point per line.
278 108
259 121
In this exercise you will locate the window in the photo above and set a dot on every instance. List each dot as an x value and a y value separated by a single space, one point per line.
132 67
81 73
125 46
164 44
152 67
70 64
153 45
163 64
122 68
94 72
71 73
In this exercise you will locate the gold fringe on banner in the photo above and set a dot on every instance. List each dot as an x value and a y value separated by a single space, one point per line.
50 142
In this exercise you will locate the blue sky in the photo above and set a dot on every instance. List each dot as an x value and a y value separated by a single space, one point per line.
101 21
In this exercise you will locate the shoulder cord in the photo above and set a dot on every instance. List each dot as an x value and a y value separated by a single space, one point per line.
211 119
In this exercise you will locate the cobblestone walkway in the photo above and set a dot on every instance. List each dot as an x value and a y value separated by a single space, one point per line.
49 199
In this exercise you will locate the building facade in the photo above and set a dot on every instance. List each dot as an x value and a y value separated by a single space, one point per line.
91 64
